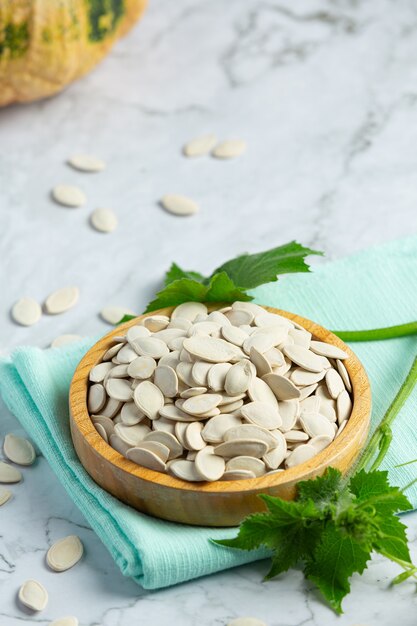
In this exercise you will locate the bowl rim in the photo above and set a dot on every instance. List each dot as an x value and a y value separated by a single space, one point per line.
360 416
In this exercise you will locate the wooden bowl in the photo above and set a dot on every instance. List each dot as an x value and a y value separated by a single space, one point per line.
217 503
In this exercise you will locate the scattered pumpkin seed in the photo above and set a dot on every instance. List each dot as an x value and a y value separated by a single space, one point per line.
200 145
86 163
65 553
19 450
69 195
179 205
61 300
104 220
229 149
26 312
33 595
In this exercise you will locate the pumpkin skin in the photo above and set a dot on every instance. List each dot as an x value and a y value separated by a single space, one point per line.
46 44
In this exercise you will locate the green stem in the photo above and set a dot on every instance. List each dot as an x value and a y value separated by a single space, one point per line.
380 439
378 334
409 568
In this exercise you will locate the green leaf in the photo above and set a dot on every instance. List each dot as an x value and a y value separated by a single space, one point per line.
219 289
126 318
177 292
392 539
374 489
222 289
250 270
287 528
333 562
175 273
324 490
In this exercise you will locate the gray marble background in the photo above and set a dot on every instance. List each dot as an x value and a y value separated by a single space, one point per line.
325 93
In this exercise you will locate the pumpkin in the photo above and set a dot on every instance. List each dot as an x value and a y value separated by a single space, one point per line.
46 44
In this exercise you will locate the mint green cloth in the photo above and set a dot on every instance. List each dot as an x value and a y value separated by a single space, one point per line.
375 288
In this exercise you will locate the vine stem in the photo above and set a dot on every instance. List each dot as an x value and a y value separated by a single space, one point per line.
378 334
381 438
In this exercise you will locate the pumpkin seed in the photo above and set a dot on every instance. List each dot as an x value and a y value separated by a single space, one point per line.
86 163
179 205
239 318
241 447
198 405
142 367
301 454
105 423
166 379
341 428
320 442
119 389
65 553
200 145
216 376
289 411
64 340
111 352
211 349
283 388
172 412
237 475
259 391
158 448
111 408
260 361
193 438
344 406
305 392
33 595
304 358
104 220
146 458
26 312
192 391
334 383
61 300
167 439
185 470
273 458
233 334
303 378
19 450
316 424
238 378
328 350
248 463
118 444
210 466
69 195
9 474
98 373
295 436
149 346
216 427
149 399
250 431
5 496
344 374
132 435
229 149
154 323
113 314
184 372
262 414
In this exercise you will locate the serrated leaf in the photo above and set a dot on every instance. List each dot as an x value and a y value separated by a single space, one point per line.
333 562
251 270
324 490
222 289
175 273
177 292
374 488
392 540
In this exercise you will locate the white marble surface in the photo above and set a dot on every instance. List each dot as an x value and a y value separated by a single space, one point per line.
325 95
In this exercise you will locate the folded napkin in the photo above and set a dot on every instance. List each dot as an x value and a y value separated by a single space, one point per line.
375 288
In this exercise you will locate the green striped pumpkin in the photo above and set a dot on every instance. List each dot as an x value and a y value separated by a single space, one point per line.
46 44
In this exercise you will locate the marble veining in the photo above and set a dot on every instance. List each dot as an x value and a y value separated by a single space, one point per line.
324 92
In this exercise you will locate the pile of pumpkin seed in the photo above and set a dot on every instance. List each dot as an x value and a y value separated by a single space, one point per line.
232 394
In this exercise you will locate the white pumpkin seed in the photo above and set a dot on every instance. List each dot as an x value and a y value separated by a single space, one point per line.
184 372
283 388
172 412
142 367
238 378
132 435
215 429
19 450
69 195
304 358
146 458
237 475
158 448
303 378
334 383
150 346
305 392
250 431
260 361
111 408
344 406
65 553
211 349
341 428
200 146
185 470
26 312
273 458
262 414
216 376
33 595
248 463
328 350
130 414
241 447
210 466
64 340
9 474
301 454
5 496
164 425
233 334
320 442
229 149
119 445
259 391
289 411
61 300
192 436
86 163
99 372
179 205
149 399
295 436
316 424
119 389
112 352
113 314
154 323
344 374
105 424
166 379
239 318
192 391
197 405
167 439
104 220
